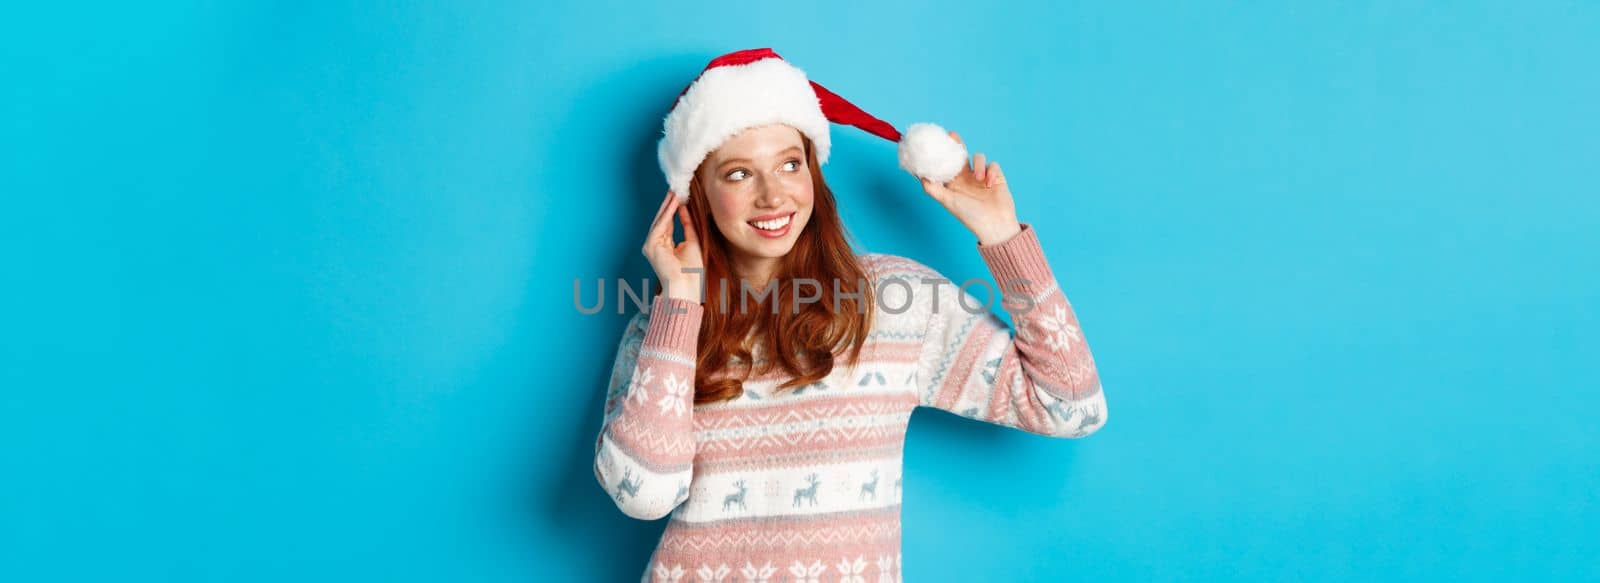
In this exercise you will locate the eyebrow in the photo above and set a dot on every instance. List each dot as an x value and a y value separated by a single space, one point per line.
732 160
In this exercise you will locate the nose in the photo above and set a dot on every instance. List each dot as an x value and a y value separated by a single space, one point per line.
769 196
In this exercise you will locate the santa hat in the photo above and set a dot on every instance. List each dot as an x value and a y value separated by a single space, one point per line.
756 87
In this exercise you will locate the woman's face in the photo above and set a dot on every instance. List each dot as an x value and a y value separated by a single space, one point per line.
759 190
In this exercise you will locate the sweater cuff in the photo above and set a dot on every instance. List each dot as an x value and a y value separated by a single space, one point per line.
674 325
1020 257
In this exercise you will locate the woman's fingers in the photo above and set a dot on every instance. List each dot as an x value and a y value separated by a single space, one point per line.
655 222
666 218
934 189
662 223
977 166
663 207
993 175
689 234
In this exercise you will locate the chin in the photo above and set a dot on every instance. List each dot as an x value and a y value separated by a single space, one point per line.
772 249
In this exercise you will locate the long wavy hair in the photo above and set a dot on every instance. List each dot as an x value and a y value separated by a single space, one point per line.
806 340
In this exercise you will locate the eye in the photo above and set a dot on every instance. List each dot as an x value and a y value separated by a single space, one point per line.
793 161
733 175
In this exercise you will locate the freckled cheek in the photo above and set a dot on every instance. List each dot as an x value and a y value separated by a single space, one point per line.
725 202
729 205
799 187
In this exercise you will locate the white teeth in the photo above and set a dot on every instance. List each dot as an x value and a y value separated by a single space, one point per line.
773 224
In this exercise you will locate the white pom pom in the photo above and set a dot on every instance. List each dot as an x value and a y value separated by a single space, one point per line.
928 151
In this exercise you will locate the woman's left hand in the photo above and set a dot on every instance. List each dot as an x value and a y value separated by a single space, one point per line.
979 198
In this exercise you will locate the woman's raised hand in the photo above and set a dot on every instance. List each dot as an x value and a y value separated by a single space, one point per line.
679 266
979 198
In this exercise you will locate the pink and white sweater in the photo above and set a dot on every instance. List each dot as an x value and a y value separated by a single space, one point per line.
805 484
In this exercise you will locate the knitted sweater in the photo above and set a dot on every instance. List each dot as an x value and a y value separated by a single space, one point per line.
805 484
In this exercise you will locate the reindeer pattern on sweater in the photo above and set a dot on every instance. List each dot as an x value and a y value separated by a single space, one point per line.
805 484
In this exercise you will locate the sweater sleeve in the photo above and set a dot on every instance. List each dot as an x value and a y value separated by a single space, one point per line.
644 453
1042 379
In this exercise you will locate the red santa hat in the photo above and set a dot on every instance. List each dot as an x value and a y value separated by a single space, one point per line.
756 87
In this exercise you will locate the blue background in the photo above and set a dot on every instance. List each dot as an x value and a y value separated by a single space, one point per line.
288 289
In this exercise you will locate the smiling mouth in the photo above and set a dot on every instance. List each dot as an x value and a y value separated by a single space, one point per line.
773 225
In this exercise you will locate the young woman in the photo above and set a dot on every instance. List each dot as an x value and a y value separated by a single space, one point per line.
772 431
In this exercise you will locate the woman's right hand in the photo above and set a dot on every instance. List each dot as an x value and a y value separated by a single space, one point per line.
679 266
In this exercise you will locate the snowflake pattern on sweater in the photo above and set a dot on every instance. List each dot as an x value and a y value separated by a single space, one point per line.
805 484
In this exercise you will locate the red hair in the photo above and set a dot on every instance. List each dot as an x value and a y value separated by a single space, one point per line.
805 340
